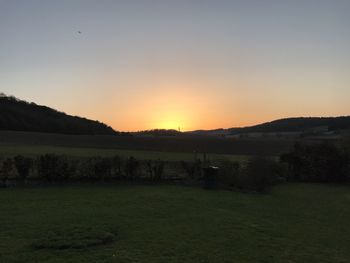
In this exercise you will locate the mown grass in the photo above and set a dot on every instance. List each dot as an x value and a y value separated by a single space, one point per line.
73 237
7 149
294 223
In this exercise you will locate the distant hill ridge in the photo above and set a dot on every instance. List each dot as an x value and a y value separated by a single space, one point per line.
20 115
300 124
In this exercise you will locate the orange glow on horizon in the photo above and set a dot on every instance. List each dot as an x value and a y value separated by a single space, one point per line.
170 108
163 100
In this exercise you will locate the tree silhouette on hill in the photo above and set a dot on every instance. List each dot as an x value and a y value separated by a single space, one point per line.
20 115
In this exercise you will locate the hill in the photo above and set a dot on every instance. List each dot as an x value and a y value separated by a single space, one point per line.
288 125
301 124
19 115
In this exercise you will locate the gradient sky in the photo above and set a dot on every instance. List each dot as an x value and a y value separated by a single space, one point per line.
163 64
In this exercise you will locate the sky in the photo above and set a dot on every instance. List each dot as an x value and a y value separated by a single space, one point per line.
194 64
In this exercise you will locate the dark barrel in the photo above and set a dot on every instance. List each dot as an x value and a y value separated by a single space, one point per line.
210 175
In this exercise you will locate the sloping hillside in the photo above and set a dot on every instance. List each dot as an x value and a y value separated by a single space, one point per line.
19 115
300 125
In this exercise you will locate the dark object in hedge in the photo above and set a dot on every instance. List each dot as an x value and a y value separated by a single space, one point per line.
210 177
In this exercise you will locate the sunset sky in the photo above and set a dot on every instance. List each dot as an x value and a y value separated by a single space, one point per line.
193 64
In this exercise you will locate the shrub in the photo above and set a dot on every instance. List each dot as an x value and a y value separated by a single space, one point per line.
117 164
324 163
258 174
131 167
23 165
84 169
33 173
155 170
2 174
8 169
193 169
229 173
53 167
102 168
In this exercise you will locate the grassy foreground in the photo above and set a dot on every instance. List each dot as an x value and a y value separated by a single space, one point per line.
294 223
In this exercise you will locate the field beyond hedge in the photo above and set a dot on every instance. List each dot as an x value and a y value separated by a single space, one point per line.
294 223
7 150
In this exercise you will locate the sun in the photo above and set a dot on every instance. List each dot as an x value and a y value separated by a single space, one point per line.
169 125
171 108
168 120
171 118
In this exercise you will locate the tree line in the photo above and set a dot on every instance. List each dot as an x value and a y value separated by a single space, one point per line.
316 163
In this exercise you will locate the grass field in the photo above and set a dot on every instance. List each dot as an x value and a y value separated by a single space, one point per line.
294 223
33 150
188 144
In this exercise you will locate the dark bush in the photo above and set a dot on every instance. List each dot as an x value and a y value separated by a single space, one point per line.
53 167
258 174
102 168
8 169
131 167
23 165
324 163
33 173
193 169
85 169
117 166
155 170
228 173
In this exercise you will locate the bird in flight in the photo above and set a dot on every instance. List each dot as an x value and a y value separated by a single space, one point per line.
79 32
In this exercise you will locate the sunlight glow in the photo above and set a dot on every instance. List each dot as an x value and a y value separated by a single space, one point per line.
170 120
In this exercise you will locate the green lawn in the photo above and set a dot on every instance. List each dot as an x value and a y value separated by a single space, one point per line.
294 223
32 150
